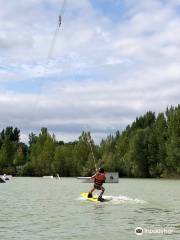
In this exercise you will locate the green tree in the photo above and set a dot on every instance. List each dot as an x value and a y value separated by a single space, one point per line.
173 142
143 152
42 153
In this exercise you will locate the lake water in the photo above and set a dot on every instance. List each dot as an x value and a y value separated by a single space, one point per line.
36 208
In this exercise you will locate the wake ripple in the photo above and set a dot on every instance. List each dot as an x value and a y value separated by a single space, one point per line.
118 199
124 199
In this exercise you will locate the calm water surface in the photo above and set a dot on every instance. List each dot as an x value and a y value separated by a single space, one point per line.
36 208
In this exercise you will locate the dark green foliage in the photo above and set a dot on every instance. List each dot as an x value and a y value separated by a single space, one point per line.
42 153
149 147
9 145
173 141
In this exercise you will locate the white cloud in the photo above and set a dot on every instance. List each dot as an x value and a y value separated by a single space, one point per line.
102 73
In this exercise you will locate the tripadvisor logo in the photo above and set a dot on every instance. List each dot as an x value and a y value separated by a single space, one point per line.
139 231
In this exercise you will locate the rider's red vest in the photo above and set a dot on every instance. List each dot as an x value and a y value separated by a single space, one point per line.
100 178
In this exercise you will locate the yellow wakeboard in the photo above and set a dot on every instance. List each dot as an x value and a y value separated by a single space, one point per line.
94 198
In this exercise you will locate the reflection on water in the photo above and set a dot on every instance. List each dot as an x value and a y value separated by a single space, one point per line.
35 208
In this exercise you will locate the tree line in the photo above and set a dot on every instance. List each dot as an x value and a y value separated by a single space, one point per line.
149 147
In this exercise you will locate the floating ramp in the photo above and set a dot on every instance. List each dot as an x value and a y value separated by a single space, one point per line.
48 177
2 180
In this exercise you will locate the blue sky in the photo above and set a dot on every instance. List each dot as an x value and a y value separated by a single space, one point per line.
112 61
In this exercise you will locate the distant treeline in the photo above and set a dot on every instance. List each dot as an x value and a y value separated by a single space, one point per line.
149 147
